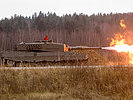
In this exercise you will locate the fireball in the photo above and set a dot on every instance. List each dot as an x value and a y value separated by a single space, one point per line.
122 24
119 44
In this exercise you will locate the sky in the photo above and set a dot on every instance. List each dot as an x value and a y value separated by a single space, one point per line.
28 7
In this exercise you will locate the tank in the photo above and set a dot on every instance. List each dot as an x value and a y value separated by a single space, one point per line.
43 53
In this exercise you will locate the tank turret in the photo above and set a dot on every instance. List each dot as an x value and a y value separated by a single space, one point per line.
42 46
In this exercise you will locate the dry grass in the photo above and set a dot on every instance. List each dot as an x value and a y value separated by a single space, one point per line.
94 57
37 96
83 83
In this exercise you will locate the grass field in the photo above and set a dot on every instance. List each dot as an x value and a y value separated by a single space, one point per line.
114 83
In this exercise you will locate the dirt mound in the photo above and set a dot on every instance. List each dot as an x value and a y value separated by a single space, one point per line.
94 57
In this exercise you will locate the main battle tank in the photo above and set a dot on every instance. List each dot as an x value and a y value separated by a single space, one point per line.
42 53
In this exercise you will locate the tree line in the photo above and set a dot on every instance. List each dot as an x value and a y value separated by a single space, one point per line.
75 29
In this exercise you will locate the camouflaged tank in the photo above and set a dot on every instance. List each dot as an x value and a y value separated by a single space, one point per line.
42 53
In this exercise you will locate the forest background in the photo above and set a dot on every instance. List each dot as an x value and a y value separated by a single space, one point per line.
76 29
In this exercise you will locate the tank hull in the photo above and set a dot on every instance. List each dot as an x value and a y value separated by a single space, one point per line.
15 58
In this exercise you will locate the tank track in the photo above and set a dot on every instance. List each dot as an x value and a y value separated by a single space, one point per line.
11 63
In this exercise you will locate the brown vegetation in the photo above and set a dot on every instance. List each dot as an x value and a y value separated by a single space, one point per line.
83 83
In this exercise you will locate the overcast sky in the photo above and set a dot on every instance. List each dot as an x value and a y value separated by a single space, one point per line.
27 7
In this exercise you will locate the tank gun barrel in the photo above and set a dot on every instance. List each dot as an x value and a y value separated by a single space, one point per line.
83 48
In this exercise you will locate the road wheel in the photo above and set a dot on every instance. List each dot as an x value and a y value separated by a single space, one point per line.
10 63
